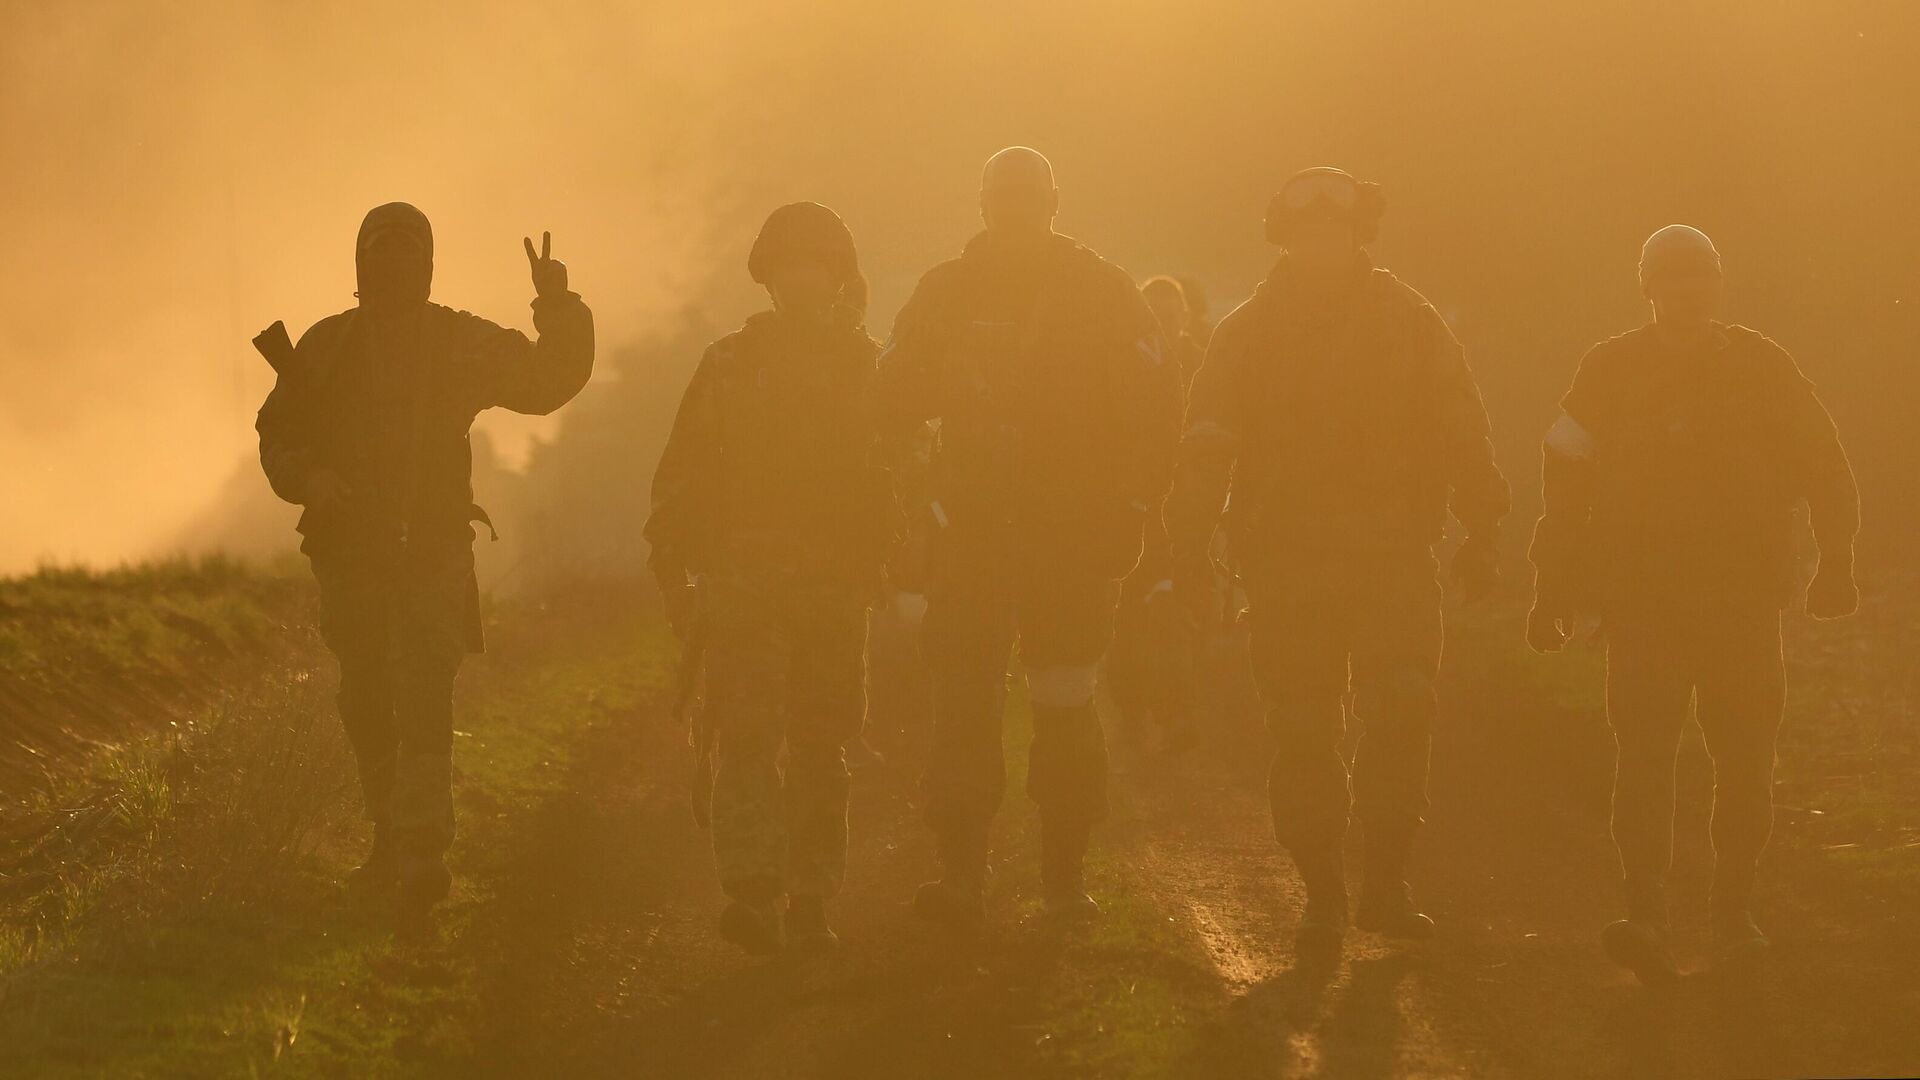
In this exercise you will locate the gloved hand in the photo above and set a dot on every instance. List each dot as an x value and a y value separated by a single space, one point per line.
1476 568
1833 593
682 602
1547 633
1192 592
549 273
325 490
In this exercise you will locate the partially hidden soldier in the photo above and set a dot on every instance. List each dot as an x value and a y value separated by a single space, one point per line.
1150 667
1670 483
1337 410
772 519
367 430
1058 409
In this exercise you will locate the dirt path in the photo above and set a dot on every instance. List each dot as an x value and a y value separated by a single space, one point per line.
580 940
609 965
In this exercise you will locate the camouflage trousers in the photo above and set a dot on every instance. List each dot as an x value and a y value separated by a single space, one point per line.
399 639
786 670
1322 626
1727 663
1062 623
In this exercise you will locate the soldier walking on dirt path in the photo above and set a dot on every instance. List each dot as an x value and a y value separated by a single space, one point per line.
769 496
1058 409
367 430
1669 484
1337 409
1150 667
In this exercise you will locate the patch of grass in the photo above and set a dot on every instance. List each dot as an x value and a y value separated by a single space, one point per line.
198 926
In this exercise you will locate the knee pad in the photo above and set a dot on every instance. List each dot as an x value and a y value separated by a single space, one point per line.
1062 686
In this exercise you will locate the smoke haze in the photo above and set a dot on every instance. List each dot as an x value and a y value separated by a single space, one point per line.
183 174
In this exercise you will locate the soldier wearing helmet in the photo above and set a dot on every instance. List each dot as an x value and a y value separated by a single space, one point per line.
770 525
1337 409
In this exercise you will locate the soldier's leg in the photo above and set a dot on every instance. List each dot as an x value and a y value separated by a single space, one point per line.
826 708
1742 693
748 656
967 636
1298 649
430 638
1649 687
1065 625
1396 657
355 626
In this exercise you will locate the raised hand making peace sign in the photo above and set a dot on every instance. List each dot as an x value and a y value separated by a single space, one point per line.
549 273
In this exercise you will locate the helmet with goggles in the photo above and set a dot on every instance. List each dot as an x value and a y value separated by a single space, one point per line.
1326 194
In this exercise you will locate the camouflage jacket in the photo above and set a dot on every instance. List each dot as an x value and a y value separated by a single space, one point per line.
771 469
1351 428
386 401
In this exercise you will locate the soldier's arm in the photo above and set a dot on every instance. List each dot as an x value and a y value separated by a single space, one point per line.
1822 473
538 376
1209 446
1149 397
906 386
287 422
1558 551
683 482
1480 496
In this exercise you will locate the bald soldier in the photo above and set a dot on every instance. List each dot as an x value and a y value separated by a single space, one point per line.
1058 408
1669 487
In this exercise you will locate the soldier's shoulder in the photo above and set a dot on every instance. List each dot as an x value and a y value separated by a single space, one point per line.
728 349
941 278
1749 340
1388 288
1618 349
325 332
1233 329
460 320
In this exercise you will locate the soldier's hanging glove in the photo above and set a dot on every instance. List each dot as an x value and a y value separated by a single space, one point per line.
1833 593
549 273
1476 567
1546 632
681 599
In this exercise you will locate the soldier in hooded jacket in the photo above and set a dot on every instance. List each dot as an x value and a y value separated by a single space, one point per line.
367 430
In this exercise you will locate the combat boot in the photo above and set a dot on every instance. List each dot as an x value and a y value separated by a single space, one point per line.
380 872
807 929
1639 942
1386 902
958 899
1063 855
1323 926
1737 941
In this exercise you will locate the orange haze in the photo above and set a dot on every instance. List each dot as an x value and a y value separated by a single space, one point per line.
180 175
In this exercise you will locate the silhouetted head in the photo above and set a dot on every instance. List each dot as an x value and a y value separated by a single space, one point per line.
1168 301
805 257
1680 275
1323 217
393 258
1017 195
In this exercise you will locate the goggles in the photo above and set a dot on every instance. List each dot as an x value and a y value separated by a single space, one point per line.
1336 189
